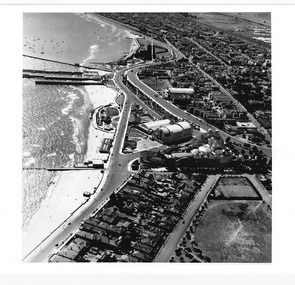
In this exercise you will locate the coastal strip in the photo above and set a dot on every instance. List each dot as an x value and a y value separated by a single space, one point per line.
65 195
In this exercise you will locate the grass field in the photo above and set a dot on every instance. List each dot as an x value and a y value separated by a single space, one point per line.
235 232
234 187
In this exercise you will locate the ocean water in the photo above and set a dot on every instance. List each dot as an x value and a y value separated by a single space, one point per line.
56 118
73 38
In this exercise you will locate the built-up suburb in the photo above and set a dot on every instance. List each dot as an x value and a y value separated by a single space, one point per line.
187 164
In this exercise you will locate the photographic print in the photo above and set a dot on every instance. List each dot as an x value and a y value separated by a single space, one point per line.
147 137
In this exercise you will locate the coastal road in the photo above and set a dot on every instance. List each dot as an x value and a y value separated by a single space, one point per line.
132 77
115 175
173 239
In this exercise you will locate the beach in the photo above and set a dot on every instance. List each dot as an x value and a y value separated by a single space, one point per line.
65 193
62 137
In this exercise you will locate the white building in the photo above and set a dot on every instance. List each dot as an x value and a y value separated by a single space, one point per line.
151 126
189 91
178 132
246 125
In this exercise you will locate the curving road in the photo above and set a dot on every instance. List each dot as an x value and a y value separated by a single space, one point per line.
132 77
116 174
117 168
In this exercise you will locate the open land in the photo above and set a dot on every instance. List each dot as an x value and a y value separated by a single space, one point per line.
235 232
234 187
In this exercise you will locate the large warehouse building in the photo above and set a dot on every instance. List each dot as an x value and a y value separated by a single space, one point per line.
151 126
176 133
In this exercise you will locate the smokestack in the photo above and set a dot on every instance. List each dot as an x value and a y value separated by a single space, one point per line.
152 49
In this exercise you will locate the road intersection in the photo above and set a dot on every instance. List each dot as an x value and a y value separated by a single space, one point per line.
117 172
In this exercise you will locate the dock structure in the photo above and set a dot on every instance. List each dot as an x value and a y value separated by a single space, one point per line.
70 82
66 63
53 77
62 77
89 165
47 71
60 168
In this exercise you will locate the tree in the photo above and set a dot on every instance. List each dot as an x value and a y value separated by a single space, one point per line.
255 149
227 140
178 252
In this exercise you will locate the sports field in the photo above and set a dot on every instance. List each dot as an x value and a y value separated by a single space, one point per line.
234 187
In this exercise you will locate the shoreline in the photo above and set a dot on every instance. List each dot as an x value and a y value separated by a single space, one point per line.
130 31
65 194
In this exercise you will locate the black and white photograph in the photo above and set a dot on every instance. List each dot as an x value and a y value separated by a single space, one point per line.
147 137
147 143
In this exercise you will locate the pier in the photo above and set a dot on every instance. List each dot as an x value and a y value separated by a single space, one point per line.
65 63
47 71
50 60
61 168
63 77
86 78
72 82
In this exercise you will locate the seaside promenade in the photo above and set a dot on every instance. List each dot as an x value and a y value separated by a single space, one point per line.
115 174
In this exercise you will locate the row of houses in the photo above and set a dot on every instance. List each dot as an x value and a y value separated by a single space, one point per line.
135 222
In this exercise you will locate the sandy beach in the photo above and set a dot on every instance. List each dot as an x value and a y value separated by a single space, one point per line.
65 194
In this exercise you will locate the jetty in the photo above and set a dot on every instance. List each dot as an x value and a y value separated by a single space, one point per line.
61 168
63 77
81 78
47 71
87 165
77 65
72 82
